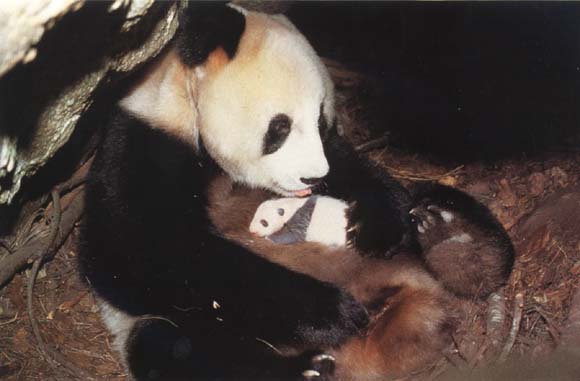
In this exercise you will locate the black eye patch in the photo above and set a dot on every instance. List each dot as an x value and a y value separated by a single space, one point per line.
280 211
278 131
264 223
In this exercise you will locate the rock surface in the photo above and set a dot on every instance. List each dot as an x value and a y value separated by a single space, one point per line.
54 55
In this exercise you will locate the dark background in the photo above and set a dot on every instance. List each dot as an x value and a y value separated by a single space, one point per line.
460 80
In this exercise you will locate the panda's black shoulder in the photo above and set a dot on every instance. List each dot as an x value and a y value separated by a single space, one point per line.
145 191
142 176
129 143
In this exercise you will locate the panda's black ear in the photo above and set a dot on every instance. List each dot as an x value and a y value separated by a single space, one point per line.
206 26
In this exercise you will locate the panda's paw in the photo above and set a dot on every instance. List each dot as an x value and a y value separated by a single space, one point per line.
377 226
321 368
427 218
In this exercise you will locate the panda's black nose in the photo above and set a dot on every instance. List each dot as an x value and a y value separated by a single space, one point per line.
311 180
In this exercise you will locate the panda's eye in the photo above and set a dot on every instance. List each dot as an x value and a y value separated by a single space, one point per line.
280 211
278 131
264 223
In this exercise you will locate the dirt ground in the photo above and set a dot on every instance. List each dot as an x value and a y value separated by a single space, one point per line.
525 193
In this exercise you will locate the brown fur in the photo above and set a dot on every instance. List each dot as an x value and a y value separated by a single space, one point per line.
216 61
410 311
470 254
470 269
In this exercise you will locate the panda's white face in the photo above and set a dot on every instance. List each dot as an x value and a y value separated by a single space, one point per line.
259 113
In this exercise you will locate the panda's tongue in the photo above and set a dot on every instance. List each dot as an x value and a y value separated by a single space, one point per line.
303 192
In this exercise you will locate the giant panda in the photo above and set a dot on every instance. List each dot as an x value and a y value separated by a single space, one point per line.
240 93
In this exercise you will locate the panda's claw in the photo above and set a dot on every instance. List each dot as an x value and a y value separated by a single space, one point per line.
310 374
423 219
434 209
322 367
323 357
351 233
352 228
380 227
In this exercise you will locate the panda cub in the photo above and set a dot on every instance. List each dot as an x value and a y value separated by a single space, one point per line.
314 219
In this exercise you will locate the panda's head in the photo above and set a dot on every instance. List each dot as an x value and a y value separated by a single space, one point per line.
254 92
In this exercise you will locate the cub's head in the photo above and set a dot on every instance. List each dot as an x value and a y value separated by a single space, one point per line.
250 88
272 215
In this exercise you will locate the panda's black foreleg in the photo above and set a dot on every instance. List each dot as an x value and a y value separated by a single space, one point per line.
231 285
281 306
222 311
379 222
158 349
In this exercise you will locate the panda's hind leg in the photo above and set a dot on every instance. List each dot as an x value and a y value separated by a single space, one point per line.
409 335
160 349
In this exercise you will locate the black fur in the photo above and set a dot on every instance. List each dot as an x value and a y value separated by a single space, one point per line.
149 250
322 123
278 131
164 352
473 268
460 202
205 26
379 222
296 228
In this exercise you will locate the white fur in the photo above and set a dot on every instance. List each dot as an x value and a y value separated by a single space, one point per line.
447 216
328 223
461 238
119 324
164 105
229 104
268 211
275 72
